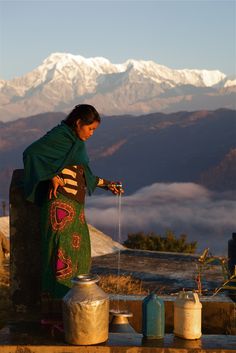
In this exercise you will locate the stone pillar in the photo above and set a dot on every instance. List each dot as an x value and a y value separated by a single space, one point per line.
25 260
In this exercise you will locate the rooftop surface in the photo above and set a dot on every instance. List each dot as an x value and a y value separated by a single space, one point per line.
168 273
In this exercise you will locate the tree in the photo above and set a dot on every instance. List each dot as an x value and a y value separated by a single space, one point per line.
155 242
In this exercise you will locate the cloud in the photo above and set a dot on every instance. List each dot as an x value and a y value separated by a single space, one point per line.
205 216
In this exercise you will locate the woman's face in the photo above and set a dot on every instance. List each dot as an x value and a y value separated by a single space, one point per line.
84 132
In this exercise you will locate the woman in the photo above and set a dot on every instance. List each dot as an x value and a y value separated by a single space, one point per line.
57 175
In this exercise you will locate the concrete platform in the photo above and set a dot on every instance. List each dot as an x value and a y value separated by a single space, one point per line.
32 337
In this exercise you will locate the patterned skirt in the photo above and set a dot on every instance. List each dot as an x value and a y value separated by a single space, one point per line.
66 249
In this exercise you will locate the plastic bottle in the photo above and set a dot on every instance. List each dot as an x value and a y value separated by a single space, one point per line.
153 317
187 316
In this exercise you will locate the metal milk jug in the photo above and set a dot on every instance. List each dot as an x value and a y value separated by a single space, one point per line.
153 317
85 310
187 316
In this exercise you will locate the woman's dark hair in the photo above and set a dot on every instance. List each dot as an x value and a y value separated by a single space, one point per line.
86 113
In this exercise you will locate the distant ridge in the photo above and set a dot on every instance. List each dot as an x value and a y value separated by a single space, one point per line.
141 150
134 87
222 176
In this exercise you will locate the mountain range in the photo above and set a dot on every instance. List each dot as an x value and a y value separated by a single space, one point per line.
134 87
195 147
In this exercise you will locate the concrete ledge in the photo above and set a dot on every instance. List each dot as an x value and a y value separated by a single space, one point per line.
218 313
33 338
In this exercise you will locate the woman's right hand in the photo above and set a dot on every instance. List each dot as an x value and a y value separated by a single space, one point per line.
56 181
115 187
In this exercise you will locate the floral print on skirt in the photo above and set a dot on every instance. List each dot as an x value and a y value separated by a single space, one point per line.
66 249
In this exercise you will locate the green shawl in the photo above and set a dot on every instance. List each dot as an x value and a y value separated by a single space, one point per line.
46 157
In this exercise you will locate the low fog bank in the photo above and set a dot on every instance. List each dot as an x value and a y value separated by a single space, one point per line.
186 208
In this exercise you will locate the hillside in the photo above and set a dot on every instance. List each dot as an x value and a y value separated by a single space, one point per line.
140 150
176 147
223 176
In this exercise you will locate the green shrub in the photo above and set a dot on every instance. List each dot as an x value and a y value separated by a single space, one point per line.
155 242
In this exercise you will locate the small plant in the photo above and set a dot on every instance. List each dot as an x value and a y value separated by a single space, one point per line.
229 284
204 261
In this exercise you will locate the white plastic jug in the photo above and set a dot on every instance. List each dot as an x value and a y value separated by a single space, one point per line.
187 316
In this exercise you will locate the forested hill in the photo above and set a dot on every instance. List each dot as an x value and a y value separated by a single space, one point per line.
140 150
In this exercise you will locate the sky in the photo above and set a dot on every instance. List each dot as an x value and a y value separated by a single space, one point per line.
193 34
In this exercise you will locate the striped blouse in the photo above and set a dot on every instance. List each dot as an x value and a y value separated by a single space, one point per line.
74 183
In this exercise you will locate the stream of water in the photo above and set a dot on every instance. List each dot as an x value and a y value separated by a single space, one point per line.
119 241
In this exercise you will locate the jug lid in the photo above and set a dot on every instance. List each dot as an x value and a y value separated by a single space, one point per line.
85 279
188 299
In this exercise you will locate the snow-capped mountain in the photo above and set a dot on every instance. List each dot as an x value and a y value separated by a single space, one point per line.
134 87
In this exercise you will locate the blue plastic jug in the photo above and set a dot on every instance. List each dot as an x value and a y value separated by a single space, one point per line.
153 317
